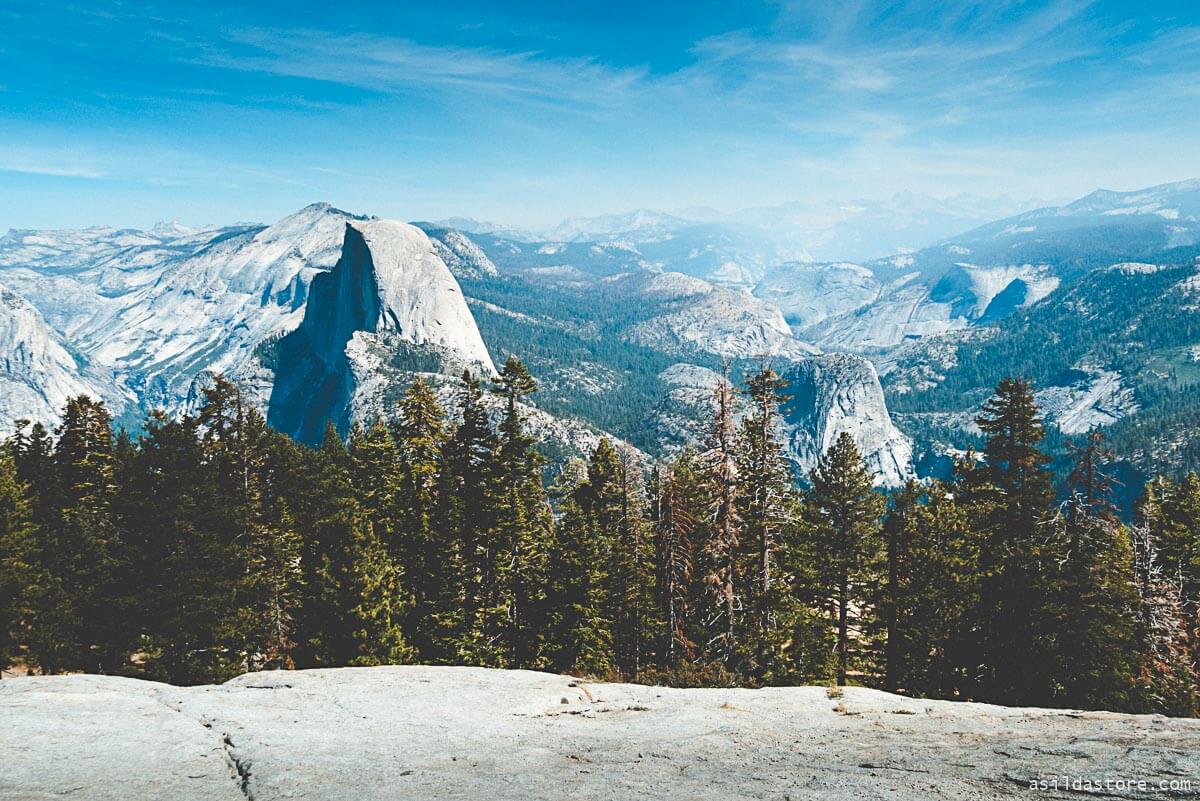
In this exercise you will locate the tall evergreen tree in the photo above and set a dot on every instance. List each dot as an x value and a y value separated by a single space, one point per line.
678 506
250 524
18 558
84 547
1168 679
844 513
631 572
33 457
1172 511
522 522
427 554
722 604
1090 612
185 570
1017 550
353 603
467 509
766 503
580 631
376 478
270 596
931 591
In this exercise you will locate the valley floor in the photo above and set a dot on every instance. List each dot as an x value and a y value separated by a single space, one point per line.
471 733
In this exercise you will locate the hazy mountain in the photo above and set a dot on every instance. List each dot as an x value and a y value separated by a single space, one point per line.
802 230
740 247
327 315
37 371
981 275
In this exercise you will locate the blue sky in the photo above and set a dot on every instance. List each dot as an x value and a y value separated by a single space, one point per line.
128 113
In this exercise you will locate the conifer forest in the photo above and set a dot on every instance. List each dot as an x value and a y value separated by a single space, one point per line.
209 545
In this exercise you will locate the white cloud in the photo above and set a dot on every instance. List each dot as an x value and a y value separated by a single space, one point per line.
392 64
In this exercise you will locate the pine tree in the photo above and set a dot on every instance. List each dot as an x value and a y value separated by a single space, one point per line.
270 596
580 633
677 505
32 451
931 591
259 546
1172 510
83 549
18 558
184 568
467 509
631 572
523 523
1016 551
1168 680
1091 486
426 553
353 605
1090 614
719 551
767 504
376 478
844 513
33 457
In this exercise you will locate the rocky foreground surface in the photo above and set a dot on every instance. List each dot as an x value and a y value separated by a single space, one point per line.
470 733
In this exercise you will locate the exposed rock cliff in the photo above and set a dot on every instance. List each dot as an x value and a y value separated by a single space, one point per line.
37 373
828 393
388 304
835 393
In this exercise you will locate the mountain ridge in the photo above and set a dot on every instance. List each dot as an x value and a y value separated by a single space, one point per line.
164 312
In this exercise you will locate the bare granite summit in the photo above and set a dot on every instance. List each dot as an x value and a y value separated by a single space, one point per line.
470 733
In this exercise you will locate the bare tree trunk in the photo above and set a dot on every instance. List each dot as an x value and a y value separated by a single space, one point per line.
842 630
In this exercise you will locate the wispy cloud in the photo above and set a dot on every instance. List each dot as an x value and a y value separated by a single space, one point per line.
391 64
790 98
56 170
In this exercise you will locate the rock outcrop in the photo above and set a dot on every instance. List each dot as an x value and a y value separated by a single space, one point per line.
828 394
37 372
835 393
358 734
389 304
691 315
162 309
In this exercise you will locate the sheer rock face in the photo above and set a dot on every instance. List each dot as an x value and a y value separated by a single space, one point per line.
327 315
163 309
836 393
441 732
388 302
828 394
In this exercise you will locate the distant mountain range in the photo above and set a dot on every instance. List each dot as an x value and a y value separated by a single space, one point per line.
624 318
810 230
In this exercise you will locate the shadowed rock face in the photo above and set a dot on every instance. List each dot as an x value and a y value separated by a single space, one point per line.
389 290
416 733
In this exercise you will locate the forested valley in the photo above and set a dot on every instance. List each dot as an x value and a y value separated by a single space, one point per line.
211 545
